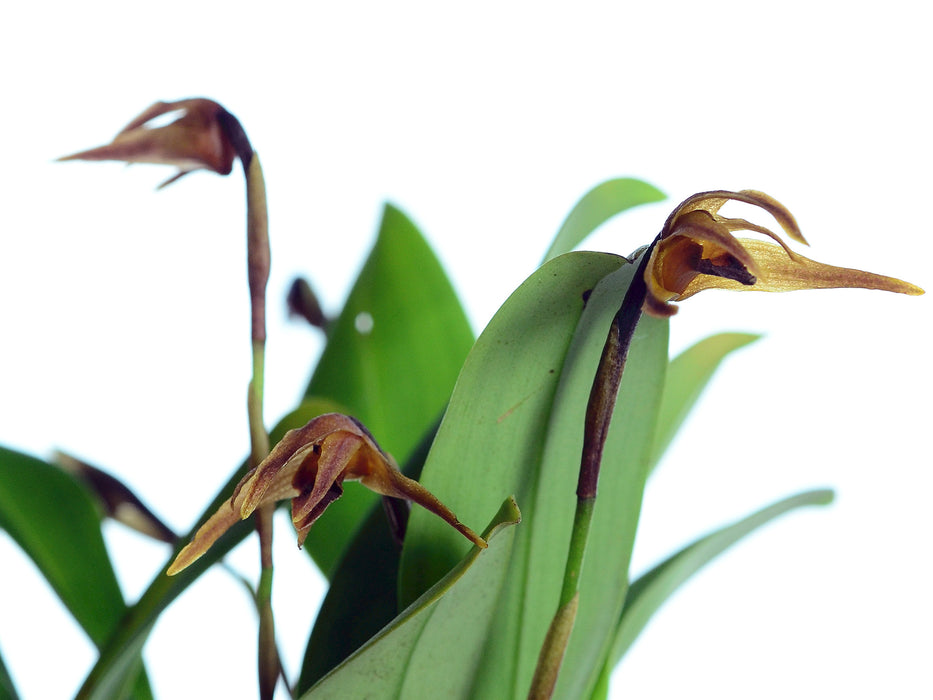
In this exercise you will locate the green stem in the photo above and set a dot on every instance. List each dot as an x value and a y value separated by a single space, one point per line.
599 409
258 257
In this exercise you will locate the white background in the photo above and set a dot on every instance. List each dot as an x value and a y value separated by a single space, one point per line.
124 312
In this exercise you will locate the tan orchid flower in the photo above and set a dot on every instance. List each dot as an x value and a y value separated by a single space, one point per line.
309 467
196 140
696 250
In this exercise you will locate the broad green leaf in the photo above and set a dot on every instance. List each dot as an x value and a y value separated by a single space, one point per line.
598 206
515 425
54 519
368 570
7 689
651 590
687 376
396 374
436 642
122 649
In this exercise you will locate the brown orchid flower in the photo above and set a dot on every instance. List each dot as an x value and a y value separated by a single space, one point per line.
696 250
196 140
309 467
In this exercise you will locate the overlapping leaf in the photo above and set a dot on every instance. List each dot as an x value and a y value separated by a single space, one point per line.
651 590
368 570
117 656
687 376
53 518
433 648
7 689
515 424
598 206
391 360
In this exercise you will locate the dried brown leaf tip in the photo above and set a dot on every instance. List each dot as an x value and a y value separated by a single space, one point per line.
195 140
309 467
696 251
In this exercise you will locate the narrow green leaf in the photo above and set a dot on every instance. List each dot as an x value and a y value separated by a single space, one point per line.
428 646
598 206
687 376
515 425
392 358
122 649
651 590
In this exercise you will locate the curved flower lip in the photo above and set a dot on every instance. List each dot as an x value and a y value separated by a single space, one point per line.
308 466
696 250
196 140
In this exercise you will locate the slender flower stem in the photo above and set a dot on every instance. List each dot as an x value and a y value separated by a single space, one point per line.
603 395
258 263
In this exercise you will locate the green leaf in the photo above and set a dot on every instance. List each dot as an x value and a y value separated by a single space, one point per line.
7 689
396 376
515 425
687 376
598 206
437 641
368 570
651 590
54 519
117 657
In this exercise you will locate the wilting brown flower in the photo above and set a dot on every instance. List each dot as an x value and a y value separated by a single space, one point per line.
196 140
116 500
697 251
309 467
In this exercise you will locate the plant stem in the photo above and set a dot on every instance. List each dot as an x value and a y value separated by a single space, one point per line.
258 262
603 395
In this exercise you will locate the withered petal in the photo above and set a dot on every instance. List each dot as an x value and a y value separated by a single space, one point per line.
338 451
196 140
221 521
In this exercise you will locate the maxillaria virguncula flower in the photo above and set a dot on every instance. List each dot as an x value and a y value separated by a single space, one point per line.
309 467
696 250
196 140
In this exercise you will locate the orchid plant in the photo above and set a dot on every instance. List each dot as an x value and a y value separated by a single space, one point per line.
557 400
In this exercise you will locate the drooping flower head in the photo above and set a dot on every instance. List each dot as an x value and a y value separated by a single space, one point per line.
696 250
196 140
308 466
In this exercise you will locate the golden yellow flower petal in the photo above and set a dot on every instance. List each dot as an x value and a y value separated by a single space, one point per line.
780 273
712 201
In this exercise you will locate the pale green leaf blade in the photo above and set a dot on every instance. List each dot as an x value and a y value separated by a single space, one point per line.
687 376
391 360
514 424
651 590
436 642
597 206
